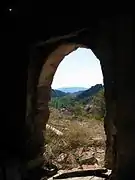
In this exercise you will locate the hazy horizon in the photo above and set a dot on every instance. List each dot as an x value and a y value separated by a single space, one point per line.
76 86
81 68
71 87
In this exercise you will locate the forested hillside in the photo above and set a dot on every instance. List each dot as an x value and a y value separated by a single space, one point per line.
88 102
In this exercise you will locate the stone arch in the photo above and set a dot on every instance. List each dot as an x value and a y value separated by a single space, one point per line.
44 62
38 57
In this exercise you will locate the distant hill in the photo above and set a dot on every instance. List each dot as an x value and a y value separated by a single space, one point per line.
72 89
58 93
90 101
76 93
87 94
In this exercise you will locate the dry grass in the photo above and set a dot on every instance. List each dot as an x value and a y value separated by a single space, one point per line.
88 133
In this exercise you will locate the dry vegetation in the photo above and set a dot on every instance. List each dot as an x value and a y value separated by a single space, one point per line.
78 135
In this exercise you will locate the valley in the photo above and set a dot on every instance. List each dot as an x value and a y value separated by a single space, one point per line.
75 137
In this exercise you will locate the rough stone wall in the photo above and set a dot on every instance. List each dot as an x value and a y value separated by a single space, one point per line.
124 120
104 51
115 53
39 85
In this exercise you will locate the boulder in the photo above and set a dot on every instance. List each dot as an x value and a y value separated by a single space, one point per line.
71 159
88 158
62 157
79 151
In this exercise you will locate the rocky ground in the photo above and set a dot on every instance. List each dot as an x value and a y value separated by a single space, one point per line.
81 158
81 147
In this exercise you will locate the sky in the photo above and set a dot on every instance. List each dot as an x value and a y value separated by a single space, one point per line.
80 68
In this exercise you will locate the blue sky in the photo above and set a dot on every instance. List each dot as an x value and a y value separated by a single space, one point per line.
80 68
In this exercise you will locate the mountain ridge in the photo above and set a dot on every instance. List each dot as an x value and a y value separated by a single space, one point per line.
71 89
78 94
85 95
88 101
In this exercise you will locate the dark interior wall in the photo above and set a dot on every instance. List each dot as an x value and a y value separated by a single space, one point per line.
105 52
17 36
108 46
125 96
